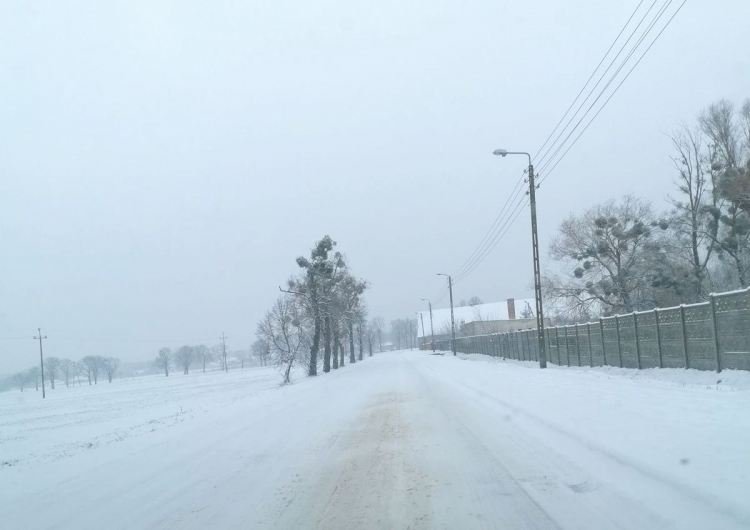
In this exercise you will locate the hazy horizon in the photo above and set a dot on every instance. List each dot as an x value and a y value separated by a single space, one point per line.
164 163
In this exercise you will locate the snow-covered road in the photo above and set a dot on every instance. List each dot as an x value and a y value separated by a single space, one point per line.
402 440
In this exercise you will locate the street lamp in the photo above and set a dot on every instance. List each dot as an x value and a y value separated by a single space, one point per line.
453 325
535 250
432 330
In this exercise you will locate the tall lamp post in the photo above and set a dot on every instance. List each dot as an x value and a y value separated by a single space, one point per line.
421 319
432 330
453 323
535 250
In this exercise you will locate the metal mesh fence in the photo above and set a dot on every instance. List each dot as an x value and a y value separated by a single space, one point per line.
711 335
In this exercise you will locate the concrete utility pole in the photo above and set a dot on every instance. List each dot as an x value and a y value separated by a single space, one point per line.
421 318
224 351
535 252
432 330
40 338
453 323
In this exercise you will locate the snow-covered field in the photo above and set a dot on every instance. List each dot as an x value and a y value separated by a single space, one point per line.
402 440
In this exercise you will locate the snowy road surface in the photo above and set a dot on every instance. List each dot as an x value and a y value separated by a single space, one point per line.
402 440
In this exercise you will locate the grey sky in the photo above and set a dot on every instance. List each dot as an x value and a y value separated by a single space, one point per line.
162 163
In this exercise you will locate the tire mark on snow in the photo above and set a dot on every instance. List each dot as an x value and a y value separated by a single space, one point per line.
707 500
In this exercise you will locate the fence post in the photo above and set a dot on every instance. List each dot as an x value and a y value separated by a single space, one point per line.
684 336
557 345
578 347
604 348
591 353
619 345
637 341
715 329
658 338
528 346
567 346
519 345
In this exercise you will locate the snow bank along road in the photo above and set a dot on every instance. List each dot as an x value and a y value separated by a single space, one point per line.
402 440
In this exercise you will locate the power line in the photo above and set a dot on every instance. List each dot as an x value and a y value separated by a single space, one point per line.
493 226
546 154
510 220
506 218
624 62
494 229
591 76
640 58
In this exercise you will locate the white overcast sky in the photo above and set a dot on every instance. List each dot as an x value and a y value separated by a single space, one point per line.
162 163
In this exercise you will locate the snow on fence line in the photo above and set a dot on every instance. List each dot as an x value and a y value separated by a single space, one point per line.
711 335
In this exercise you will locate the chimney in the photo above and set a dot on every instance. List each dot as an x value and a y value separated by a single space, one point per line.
511 309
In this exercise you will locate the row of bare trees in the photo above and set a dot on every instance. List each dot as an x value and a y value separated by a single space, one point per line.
93 367
322 307
622 256
184 357
403 333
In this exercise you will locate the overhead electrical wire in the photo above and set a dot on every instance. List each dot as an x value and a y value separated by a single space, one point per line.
591 76
540 160
623 63
511 219
506 218
494 228
606 101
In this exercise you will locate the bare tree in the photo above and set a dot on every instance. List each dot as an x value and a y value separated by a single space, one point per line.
370 334
164 360
204 354
184 358
217 353
68 369
93 364
608 248
20 379
262 351
110 366
281 328
691 222
52 365
728 135
33 375
243 356
378 326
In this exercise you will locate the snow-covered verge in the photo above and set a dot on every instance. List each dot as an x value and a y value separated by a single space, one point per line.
402 440
81 418
686 428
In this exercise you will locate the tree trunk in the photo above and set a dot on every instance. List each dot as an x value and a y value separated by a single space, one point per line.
343 354
336 346
359 335
740 270
287 372
369 345
352 359
327 344
312 369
